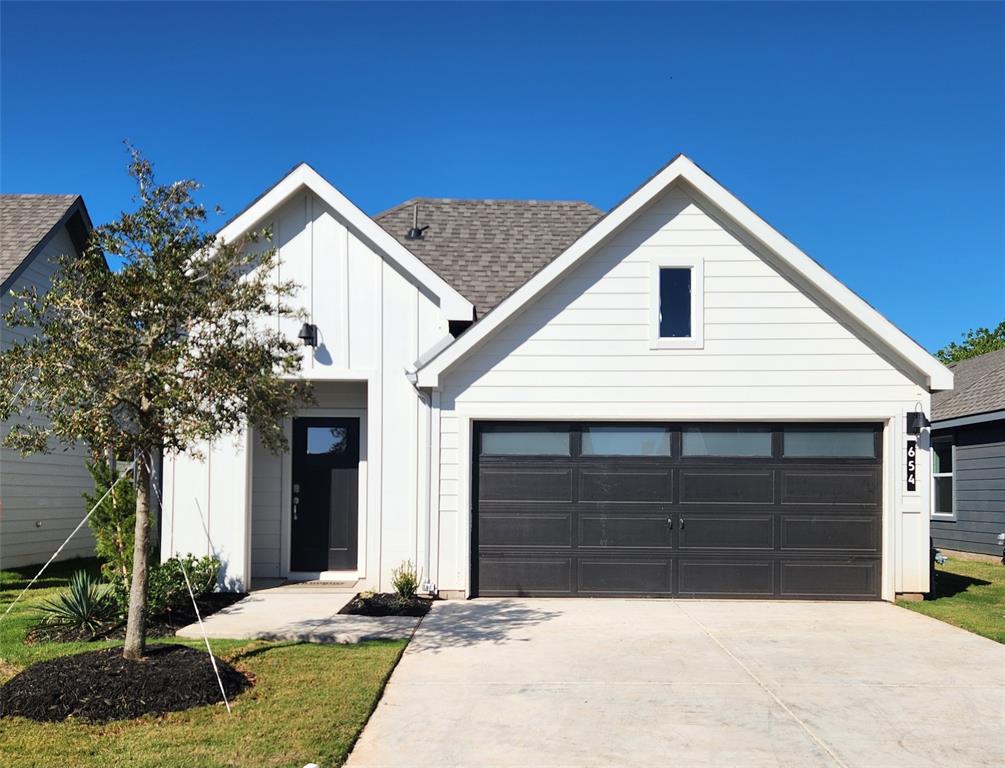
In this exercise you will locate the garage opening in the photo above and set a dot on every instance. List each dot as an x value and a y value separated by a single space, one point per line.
705 510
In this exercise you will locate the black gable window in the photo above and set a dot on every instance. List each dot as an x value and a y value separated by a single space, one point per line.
675 302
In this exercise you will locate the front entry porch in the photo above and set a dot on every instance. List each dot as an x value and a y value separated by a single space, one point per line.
308 504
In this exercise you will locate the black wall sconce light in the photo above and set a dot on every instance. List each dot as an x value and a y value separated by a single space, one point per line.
308 335
917 421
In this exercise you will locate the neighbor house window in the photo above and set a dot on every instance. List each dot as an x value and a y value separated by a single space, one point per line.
943 463
677 304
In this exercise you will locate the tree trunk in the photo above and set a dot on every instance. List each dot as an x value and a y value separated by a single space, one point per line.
136 623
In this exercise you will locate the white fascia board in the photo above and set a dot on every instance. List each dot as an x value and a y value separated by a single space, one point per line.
453 304
842 297
939 377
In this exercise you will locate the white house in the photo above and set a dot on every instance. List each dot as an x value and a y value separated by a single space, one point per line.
40 495
669 400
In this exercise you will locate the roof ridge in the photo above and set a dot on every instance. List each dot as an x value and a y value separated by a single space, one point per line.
40 195
532 201
975 358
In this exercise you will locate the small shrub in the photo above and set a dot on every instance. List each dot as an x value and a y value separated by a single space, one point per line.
166 586
113 523
86 606
405 580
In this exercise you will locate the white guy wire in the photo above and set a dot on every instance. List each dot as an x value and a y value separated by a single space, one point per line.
16 394
205 637
60 549
191 593
202 521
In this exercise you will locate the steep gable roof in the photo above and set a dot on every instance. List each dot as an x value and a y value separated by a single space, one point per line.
979 387
487 249
823 286
26 224
453 304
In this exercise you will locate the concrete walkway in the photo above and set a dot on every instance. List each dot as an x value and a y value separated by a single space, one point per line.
681 683
304 614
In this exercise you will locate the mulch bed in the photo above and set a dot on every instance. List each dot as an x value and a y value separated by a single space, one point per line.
99 686
158 625
385 604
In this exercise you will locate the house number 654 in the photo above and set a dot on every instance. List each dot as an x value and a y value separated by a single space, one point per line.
912 464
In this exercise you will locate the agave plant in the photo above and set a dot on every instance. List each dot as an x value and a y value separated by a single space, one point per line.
86 605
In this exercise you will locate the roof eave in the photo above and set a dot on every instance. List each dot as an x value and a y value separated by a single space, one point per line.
965 420
76 205
452 303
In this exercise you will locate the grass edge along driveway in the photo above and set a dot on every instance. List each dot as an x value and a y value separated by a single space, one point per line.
970 595
309 702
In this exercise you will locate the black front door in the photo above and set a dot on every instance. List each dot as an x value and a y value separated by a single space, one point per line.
325 494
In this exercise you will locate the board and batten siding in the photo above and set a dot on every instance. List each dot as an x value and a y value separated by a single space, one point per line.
373 322
582 351
979 484
271 480
41 498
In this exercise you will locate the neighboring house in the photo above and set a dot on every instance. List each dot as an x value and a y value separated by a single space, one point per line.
667 400
40 495
968 449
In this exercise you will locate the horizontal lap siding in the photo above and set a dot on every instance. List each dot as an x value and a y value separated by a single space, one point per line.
980 491
41 498
582 350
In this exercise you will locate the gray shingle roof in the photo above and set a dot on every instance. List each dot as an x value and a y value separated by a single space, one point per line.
978 387
486 249
24 221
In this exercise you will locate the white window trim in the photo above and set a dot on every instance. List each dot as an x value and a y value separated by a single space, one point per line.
952 475
697 338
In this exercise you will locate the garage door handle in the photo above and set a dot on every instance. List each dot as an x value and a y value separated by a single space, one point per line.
670 522
682 523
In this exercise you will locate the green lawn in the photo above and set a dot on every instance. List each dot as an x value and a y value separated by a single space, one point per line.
308 704
970 595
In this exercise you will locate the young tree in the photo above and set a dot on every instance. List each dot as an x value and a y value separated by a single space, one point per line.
161 355
974 343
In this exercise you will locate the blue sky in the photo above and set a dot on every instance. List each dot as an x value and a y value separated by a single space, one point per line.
871 135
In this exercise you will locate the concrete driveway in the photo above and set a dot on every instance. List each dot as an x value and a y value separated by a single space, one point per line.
687 683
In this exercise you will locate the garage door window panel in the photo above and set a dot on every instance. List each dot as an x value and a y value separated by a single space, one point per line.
517 440
603 440
733 442
826 443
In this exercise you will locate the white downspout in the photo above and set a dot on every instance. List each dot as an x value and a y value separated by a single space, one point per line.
423 491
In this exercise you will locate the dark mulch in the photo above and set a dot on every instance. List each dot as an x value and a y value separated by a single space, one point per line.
158 625
385 604
101 685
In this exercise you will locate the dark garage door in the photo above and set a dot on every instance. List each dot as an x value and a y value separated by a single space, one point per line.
688 510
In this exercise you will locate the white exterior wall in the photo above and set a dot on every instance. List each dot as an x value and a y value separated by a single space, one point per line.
41 495
582 351
373 322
